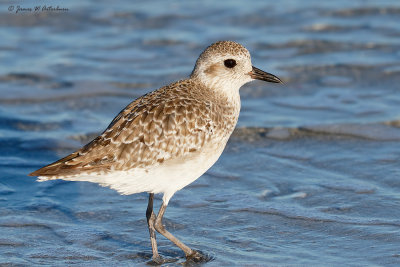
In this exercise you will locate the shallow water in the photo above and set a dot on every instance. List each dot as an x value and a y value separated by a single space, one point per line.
310 177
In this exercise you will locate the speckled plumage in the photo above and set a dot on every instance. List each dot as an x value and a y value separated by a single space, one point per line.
166 139
171 123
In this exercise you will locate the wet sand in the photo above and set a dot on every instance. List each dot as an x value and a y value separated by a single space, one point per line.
309 177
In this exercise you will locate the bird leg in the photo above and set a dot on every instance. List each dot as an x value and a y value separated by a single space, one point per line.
190 253
151 218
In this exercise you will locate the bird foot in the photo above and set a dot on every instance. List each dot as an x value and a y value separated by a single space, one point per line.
197 257
158 260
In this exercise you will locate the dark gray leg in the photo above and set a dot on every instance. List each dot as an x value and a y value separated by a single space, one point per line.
190 253
151 218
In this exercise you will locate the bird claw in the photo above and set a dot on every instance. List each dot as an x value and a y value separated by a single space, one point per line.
197 257
156 261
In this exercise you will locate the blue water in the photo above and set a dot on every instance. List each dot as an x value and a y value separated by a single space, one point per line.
310 177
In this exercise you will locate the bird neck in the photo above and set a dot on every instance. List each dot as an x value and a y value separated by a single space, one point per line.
223 89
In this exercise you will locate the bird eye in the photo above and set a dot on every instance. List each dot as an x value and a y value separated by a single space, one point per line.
230 63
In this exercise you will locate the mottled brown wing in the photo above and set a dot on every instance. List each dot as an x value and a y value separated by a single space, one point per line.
165 124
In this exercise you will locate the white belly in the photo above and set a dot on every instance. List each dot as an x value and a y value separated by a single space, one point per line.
166 178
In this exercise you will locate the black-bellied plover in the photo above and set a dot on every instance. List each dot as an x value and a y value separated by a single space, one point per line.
168 138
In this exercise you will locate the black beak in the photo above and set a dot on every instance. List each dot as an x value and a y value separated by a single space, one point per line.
264 76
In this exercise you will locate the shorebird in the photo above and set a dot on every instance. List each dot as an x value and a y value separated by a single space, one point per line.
168 138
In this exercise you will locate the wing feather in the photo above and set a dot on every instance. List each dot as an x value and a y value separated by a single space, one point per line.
165 124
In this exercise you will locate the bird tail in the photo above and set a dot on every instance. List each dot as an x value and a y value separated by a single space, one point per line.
57 169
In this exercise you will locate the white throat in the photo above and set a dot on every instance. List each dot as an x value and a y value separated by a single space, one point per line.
226 85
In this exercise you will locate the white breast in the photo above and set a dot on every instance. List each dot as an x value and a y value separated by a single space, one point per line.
166 178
